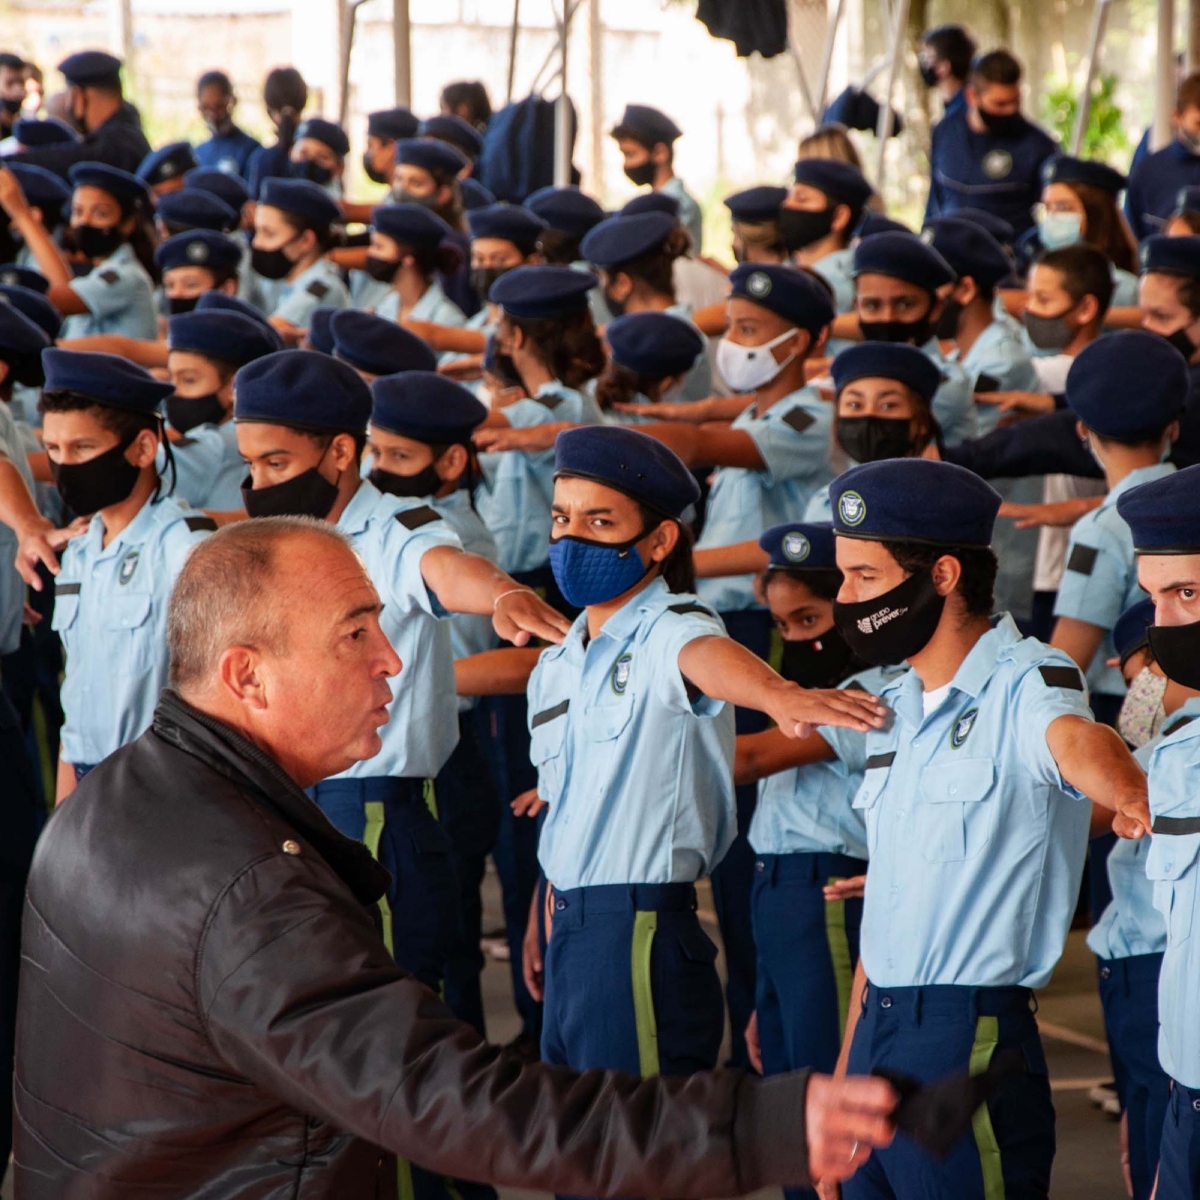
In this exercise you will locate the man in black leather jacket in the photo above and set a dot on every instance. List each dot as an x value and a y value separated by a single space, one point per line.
207 1008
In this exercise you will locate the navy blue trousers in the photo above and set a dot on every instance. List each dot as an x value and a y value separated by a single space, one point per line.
1179 1155
1129 993
931 1032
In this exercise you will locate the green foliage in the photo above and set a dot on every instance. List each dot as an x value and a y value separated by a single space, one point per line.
1105 137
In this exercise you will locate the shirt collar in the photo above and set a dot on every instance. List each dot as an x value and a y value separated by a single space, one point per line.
629 616
135 532
1134 479
357 513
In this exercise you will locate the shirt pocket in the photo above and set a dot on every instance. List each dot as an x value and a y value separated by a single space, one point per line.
66 609
1171 867
126 618
547 741
954 815
606 722
866 800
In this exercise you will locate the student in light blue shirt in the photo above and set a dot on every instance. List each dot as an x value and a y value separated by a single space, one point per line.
651 355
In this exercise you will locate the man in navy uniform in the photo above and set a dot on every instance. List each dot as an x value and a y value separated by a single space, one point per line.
945 59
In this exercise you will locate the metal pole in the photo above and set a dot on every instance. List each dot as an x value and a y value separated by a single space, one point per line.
594 32
1164 100
884 128
831 29
541 79
347 41
512 49
1095 41
562 107
1193 45
402 52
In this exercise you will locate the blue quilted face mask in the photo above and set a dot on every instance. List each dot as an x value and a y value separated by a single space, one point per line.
590 572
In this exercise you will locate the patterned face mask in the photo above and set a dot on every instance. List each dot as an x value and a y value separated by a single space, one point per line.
1142 711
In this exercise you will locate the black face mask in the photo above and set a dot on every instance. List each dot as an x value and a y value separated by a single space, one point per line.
1184 344
895 626
372 173
482 278
1002 124
12 107
96 242
929 75
308 494
312 171
181 304
799 229
818 662
911 333
946 327
382 270
1176 649
424 483
101 482
871 439
271 264
185 414
642 174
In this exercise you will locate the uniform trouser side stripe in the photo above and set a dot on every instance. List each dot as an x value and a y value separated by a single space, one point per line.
839 954
645 925
987 1037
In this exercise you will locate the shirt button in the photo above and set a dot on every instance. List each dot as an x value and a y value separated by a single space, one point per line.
760 866
1196 1105
1105 972
953 789
559 905
886 1002
291 847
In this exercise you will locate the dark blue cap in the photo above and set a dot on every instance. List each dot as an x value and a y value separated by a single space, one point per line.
226 303
90 68
914 500
873 222
446 127
303 389
328 133
566 209
1065 169
800 546
128 190
1172 255
756 203
1128 385
412 224
648 202
1129 633
1188 199
646 125
1163 515
43 189
47 131
18 334
106 378
538 292
430 155
168 162
392 124
474 194
34 305
857 109
998 227
970 250
842 182
631 463
509 222
902 256
654 343
301 198
887 360
618 239
793 295
426 407
320 336
198 248
230 188
26 277
377 345
191 208
226 336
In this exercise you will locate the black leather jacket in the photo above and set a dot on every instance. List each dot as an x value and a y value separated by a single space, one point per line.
207 1010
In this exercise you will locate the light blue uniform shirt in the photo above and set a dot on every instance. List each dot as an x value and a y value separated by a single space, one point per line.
434 305
637 775
12 586
514 500
953 402
837 271
819 507
793 437
1171 865
315 286
1100 579
1125 289
208 467
690 216
1000 353
119 296
110 609
976 841
423 727
365 292
808 810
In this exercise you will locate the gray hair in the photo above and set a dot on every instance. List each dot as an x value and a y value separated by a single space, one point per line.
223 595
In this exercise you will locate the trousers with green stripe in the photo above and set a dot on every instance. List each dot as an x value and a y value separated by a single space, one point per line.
932 1032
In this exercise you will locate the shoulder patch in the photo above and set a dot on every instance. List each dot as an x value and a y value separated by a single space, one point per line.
691 607
317 288
551 400
110 276
799 419
1176 826
549 714
880 760
1178 726
853 685
1082 560
414 518
1062 677
67 589
200 522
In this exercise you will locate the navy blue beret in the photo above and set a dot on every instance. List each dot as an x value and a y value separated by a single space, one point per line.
654 343
756 203
377 345
48 131
538 292
646 125
34 305
198 248
474 194
1172 255
105 378
230 188
227 303
1188 199
90 68
304 389
998 227
793 295
1065 169
43 189
412 224
430 155
903 256
648 202
1129 385
18 334
841 181
426 407
193 208
618 239
128 190
171 161
970 250
25 277
566 209
1129 633
508 222
914 500
227 336
857 109
1163 515
629 462
873 223
328 133
392 124
908 365
446 127
800 546
301 198
319 335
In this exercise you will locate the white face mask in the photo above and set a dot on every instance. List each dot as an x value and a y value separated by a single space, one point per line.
746 368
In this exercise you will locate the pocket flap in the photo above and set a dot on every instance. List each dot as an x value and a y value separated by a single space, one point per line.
1171 856
127 611
961 781
870 790
66 608
607 721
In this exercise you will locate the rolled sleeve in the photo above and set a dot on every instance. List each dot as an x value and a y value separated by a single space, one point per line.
407 584
1094 584
672 632
793 446
1052 689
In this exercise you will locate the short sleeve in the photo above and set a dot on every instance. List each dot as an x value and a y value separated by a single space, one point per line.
682 623
1094 584
524 414
1011 369
793 445
849 746
1053 688
180 538
198 458
297 307
106 290
404 550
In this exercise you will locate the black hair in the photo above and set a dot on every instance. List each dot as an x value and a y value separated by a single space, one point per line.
977 585
25 369
656 268
328 236
215 79
283 88
124 422
996 66
823 582
569 345
558 248
619 385
429 260
14 62
953 45
678 570
1085 271
471 94
324 438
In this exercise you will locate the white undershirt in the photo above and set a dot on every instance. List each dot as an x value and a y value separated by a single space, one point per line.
930 701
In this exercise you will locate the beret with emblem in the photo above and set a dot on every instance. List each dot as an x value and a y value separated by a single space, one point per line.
328 133
302 198
34 305
392 124
539 292
793 295
377 345
447 127
1163 515
227 303
565 209
412 224
756 203
619 239
12 275
1065 169
320 336
648 202
654 343
1129 633
91 68
842 182
431 155
914 500
908 365
646 125
629 462
800 546
303 389
43 189
128 190
857 109
226 336
426 407
474 194
46 131
1172 255
198 248
111 381
230 188
970 250
902 256
509 223
195 208
168 162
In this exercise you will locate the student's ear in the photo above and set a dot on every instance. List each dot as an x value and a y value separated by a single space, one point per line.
4 372
661 154
947 572
144 448
841 219
452 464
1088 310
229 287
966 292
343 452
663 540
